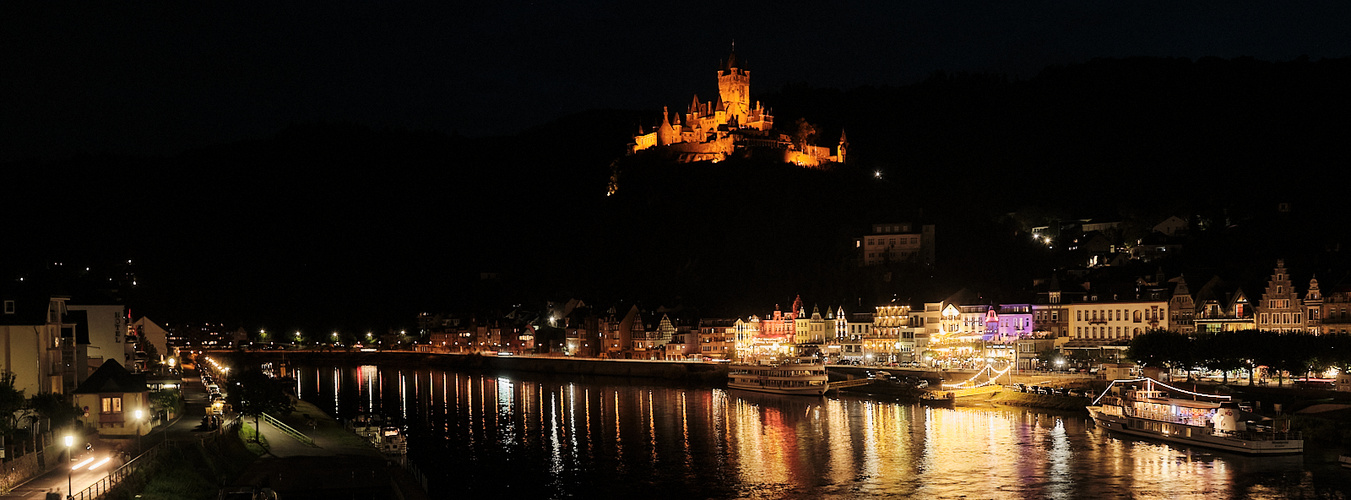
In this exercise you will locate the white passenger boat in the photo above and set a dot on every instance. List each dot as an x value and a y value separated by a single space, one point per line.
382 434
807 379
1140 407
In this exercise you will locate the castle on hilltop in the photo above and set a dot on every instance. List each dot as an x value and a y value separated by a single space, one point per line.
729 126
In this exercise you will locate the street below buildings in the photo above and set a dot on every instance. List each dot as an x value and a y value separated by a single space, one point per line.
92 450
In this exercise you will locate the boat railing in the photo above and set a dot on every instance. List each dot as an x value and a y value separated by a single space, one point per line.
1154 415
1261 435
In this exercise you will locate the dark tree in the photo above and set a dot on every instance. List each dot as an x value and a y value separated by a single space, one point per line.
1160 349
254 393
54 407
11 401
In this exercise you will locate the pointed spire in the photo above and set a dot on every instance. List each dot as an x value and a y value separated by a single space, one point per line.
732 61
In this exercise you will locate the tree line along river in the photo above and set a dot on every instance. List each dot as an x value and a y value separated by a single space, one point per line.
535 436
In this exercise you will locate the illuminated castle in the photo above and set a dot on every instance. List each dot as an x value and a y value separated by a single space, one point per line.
729 125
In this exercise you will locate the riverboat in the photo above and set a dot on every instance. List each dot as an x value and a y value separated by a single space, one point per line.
940 399
1140 407
380 433
806 379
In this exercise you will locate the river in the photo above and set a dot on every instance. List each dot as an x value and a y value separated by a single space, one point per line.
529 436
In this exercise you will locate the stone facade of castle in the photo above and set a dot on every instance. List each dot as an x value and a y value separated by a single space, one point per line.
730 126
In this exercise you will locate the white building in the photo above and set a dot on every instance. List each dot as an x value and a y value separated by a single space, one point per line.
897 242
1116 321
107 330
31 345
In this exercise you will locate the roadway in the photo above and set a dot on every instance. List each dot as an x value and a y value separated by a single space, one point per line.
112 449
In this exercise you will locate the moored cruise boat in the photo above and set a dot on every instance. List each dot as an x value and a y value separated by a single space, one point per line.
384 435
1139 408
807 379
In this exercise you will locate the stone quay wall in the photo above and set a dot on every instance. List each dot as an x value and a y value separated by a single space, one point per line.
693 372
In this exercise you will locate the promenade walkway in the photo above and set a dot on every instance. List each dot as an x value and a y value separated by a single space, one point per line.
338 465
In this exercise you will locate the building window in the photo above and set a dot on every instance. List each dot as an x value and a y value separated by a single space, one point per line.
112 405
9 307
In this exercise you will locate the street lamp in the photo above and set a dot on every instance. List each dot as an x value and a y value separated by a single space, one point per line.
69 441
139 415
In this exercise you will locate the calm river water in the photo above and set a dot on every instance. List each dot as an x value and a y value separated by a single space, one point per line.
530 436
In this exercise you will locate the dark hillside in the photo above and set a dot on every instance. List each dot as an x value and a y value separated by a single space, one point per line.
368 226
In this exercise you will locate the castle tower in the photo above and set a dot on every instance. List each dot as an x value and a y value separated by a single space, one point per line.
844 144
734 86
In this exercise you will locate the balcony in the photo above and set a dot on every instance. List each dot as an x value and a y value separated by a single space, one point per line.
111 418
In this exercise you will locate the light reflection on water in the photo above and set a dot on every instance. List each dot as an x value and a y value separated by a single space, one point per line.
536 437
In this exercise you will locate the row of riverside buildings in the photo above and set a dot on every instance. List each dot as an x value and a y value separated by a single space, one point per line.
91 351
961 329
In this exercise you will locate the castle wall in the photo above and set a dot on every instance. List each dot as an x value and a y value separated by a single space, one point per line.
711 131
641 142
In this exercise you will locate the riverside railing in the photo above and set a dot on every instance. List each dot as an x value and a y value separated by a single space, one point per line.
286 429
101 487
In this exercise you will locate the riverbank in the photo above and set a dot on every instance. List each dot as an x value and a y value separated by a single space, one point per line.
338 464
692 372
706 374
1026 400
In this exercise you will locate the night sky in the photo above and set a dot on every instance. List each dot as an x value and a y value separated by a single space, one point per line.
97 77
153 81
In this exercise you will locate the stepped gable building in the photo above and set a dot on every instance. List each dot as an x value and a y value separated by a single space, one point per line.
1280 309
730 126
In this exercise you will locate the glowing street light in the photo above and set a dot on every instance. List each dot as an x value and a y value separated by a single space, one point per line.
139 414
69 441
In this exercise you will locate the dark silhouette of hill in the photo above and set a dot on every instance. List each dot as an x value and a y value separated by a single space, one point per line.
1153 129
340 225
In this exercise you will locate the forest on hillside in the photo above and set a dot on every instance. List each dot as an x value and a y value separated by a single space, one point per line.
380 223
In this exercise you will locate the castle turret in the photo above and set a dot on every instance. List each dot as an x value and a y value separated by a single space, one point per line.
844 144
734 87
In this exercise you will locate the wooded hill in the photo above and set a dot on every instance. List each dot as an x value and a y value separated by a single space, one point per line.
369 226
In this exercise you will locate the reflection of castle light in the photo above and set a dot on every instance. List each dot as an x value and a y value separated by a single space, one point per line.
731 126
